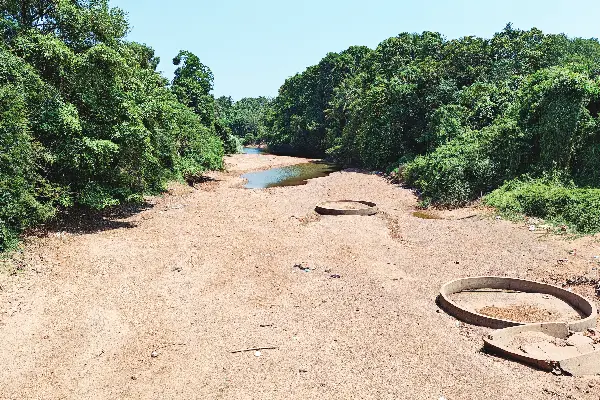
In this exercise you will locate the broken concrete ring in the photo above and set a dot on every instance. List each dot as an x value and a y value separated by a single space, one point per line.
577 361
336 208
585 307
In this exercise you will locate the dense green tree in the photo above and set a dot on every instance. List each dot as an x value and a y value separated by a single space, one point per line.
223 108
86 118
192 85
300 120
248 118
459 118
245 120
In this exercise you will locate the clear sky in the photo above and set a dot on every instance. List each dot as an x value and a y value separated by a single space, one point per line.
252 46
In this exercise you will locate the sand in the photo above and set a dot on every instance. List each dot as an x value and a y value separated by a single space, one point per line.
517 306
152 304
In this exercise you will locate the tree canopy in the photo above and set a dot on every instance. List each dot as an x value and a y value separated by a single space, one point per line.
458 118
246 118
85 118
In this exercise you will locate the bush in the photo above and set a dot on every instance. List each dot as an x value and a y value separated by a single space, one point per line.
20 183
468 166
231 144
550 199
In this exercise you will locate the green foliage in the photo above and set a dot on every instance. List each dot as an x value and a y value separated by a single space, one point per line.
85 117
469 165
302 119
550 199
192 85
541 131
246 118
231 143
20 182
455 173
458 118
552 108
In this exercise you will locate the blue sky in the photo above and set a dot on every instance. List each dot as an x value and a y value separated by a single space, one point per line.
253 46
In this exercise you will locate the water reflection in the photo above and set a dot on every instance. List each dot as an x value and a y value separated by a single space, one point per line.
253 150
292 175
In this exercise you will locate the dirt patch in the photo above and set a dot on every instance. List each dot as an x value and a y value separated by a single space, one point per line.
426 215
153 304
519 313
239 163
393 225
517 306
309 218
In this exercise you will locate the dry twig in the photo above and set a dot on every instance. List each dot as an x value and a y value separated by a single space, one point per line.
254 349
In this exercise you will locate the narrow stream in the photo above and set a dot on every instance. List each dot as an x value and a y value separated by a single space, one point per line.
253 150
293 175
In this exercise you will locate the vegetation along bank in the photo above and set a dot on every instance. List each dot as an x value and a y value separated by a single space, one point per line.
86 119
513 118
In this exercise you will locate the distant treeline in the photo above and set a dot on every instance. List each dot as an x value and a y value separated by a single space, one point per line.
85 118
246 119
515 116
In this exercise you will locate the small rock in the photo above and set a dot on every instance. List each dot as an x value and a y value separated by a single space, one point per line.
257 354
154 354
302 267
532 228
335 276
557 371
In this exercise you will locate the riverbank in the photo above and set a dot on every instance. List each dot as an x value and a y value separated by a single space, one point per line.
152 305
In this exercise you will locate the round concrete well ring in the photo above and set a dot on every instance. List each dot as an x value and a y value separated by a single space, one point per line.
579 303
347 207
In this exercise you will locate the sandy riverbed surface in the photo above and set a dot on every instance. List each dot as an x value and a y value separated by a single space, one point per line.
151 305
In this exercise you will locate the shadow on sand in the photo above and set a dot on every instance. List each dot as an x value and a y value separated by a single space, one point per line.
81 220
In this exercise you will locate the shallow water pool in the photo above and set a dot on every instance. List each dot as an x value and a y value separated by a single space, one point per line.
292 175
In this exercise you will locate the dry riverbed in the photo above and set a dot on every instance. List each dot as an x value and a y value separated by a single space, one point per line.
154 304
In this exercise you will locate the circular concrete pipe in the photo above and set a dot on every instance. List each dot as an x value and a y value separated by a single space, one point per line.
346 207
585 307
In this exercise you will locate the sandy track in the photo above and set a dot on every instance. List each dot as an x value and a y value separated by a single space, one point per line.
208 271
